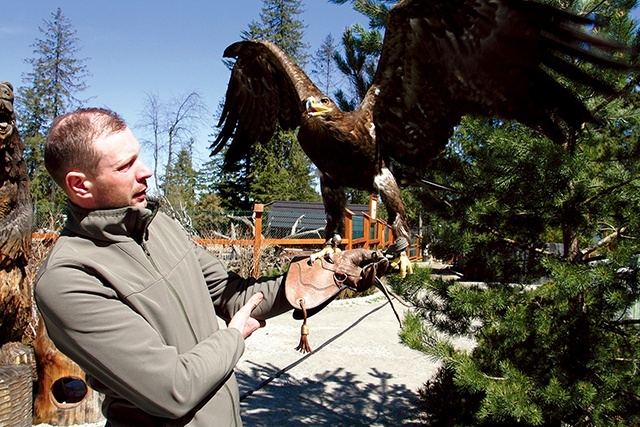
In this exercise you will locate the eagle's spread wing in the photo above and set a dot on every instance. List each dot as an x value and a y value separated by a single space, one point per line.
444 59
266 87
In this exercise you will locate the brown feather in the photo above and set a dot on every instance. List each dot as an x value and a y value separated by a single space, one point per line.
444 59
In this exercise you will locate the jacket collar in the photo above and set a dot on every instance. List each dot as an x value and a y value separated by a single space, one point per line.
111 225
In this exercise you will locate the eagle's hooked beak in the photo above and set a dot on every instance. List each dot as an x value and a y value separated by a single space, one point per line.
315 107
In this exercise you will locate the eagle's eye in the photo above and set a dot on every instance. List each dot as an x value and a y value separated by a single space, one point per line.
325 101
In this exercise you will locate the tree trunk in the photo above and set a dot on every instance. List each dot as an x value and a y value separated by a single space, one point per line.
571 244
63 397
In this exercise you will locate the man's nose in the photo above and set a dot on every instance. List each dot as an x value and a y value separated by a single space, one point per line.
144 171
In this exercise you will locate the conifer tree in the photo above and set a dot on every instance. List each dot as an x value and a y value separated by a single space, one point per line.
49 89
324 65
180 181
280 25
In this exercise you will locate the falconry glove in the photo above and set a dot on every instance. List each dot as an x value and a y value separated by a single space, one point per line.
311 286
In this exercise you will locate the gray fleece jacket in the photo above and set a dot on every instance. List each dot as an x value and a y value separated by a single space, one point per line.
128 296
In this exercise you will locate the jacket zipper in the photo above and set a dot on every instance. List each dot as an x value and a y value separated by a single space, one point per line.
193 334
171 289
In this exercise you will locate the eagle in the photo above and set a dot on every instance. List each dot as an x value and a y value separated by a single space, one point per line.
440 60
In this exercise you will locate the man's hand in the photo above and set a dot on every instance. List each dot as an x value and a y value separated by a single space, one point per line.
242 320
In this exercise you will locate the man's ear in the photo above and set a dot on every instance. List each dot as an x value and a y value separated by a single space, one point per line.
79 186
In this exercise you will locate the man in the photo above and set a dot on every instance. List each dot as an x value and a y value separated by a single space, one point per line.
128 296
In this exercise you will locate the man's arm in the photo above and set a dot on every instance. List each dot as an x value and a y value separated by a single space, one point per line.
90 324
229 291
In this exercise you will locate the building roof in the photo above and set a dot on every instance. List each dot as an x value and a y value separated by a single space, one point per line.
309 215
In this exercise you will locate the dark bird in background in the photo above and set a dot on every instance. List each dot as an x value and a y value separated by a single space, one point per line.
440 60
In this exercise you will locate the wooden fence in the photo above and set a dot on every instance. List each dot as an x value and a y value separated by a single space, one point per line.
377 234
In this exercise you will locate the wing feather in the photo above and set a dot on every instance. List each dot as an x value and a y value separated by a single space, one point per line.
443 59
265 88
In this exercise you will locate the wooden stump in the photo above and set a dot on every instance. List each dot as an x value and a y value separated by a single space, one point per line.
15 226
63 397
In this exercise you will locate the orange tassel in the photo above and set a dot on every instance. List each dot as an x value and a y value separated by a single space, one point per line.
304 346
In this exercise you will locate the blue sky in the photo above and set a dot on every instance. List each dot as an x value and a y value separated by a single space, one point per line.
168 48
163 47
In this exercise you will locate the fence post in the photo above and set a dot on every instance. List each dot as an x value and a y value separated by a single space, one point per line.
386 239
373 218
366 227
258 209
348 227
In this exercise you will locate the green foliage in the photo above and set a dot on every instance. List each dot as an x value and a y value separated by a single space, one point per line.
561 352
203 216
376 10
281 171
180 182
361 50
278 23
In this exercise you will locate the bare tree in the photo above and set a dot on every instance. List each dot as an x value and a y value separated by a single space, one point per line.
186 115
171 126
151 121
324 64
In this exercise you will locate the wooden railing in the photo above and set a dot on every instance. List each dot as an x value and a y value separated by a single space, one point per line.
377 234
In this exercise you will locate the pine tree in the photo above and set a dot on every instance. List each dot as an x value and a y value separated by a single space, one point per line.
361 51
180 182
50 89
324 65
279 24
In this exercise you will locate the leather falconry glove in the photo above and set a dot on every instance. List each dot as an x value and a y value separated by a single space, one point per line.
311 286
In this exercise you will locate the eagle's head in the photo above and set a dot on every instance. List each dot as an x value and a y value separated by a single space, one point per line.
318 106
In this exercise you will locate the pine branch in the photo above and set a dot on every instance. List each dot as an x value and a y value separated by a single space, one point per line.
626 322
522 245
494 378
628 88
608 190
603 242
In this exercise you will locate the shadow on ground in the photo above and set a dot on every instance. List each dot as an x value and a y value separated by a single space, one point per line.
335 398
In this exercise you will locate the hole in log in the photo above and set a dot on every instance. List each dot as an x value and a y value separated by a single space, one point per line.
68 392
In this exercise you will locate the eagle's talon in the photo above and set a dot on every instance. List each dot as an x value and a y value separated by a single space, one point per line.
402 262
326 253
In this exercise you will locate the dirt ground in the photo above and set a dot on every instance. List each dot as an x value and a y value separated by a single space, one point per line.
359 374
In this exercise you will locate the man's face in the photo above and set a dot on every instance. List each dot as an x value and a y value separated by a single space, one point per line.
121 178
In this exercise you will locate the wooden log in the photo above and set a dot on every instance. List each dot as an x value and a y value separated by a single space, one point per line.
63 397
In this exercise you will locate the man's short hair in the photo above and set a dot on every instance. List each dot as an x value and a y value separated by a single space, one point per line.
70 142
